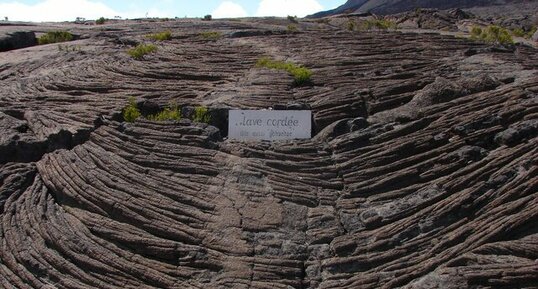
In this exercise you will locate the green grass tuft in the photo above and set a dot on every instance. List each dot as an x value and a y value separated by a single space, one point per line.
201 114
476 31
161 36
492 34
300 73
211 35
140 50
351 25
55 37
100 21
131 112
291 28
381 24
171 113
520 32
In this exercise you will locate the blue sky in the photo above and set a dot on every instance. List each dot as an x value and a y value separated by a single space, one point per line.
68 10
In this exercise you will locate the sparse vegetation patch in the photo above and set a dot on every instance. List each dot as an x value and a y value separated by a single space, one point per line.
300 73
131 112
291 28
211 35
201 114
351 25
520 32
532 31
100 21
55 37
161 36
141 50
171 113
381 24
68 48
492 34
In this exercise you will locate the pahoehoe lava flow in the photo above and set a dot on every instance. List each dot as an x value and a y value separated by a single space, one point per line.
422 172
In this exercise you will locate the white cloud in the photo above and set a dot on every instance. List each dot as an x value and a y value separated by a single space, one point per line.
67 10
229 9
298 8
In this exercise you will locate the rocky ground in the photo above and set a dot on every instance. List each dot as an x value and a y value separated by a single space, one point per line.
421 173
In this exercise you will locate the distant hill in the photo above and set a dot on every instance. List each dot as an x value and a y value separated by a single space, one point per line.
396 6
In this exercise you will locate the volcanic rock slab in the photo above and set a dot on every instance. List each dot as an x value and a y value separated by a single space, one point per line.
422 172
17 39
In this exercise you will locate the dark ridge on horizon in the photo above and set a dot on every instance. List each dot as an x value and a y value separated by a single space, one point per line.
385 7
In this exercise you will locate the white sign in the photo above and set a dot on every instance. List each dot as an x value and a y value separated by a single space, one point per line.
269 124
